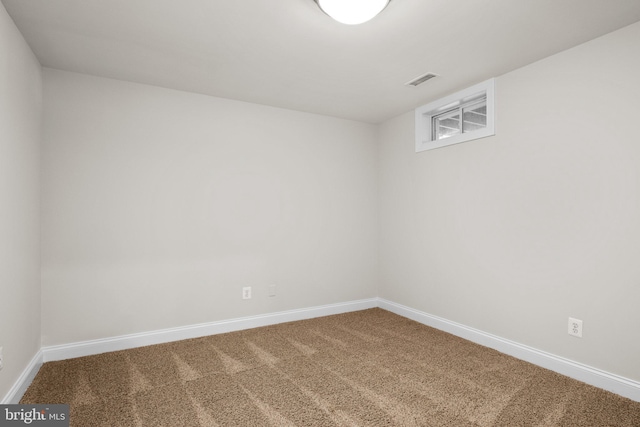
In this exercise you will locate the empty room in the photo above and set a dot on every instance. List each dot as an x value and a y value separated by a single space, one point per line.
320 213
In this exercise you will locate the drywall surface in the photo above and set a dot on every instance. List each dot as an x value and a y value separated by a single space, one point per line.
159 206
514 234
20 137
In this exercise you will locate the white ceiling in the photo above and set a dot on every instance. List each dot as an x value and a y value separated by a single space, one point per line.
287 53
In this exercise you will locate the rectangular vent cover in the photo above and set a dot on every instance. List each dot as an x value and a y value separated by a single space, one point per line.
419 80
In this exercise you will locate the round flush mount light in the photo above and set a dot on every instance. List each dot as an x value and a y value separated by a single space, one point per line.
352 12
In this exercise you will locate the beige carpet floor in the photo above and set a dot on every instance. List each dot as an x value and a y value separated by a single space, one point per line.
367 368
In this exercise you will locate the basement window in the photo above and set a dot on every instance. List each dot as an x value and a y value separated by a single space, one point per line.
460 117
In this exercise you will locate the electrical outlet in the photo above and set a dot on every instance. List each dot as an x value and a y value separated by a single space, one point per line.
246 292
272 290
1 359
575 327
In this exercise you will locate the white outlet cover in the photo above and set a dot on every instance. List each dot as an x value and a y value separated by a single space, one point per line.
575 327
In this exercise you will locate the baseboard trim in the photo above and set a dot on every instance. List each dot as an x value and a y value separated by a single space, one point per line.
622 386
124 342
24 381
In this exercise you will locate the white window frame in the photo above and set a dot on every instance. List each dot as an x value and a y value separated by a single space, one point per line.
425 138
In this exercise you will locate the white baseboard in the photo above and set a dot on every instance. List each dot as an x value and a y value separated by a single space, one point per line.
88 348
595 377
614 383
24 381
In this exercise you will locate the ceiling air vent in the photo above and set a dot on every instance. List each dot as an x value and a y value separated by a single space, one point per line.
419 80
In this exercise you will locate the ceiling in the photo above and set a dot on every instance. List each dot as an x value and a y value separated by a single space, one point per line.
287 53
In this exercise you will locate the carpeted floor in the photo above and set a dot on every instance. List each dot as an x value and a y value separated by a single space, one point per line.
367 368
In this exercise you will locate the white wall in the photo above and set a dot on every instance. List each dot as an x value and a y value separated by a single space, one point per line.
159 206
20 120
515 233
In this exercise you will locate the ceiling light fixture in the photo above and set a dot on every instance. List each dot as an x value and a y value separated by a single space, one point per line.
352 12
